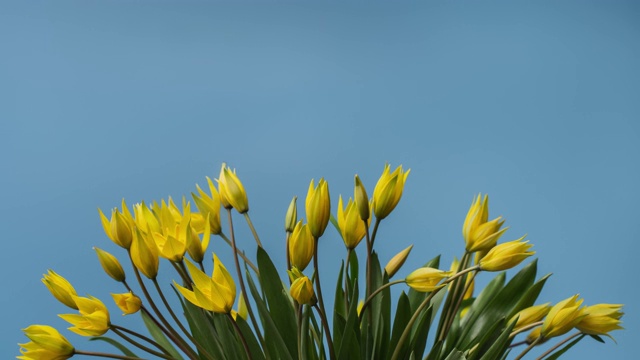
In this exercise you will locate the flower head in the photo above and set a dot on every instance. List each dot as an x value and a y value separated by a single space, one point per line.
318 207
426 279
301 287
301 245
209 206
530 315
563 317
232 192
361 199
216 293
93 319
352 227
60 288
479 233
291 217
119 227
110 265
388 191
507 255
127 302
397 261
601 319
46 344
144 254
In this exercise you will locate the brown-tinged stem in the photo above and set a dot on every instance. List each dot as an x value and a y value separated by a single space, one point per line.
138 335
241 254
321 309
325 325
525 351
242 339
105 355
378 290
452 297
173 315
459 299
525 328
555 347
140 346
253 229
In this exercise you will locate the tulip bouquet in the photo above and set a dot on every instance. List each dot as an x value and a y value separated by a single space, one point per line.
257 312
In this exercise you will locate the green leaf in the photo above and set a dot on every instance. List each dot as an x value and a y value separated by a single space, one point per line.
231 345
416 297
159 336
403 315
348 343
456 355
558 353
115 343
250 337
500 345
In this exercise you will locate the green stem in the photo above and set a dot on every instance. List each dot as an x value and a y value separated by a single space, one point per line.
378 290
451 300
140 346
525 328
548 352
299 331
460 298
346 280
325 326
321 309
138 335
253 229
241 254
241 279
368 270
173 315
525 351
242 339
105 355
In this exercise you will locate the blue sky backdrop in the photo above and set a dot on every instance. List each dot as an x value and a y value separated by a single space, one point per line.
535 103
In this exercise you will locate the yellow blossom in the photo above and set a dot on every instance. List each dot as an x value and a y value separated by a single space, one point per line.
93 319
127 302
534 335
110 265
209 206
563 317
46 344
426 279
361 199
507 255
530 315
216 293
302 290
601 319
172 242
301 245
231 190
119 227
195 246
352 227
318 207
60 288
388 191
144 254
479 233
397 261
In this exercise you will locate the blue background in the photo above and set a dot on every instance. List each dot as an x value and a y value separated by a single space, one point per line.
535 103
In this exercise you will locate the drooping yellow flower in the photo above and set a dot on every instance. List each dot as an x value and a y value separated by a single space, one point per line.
530 315
388 191
209 206
231 190
301 288
60 288
397 261
291 218
478 232
46 344
216 293
110 265
93 319
426 279
507 255
196 247
351 226
361 199
119 227
301 246
563 317
318 207
601 319
144 254
127 302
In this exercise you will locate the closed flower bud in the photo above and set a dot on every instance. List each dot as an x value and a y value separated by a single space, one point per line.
144 254
426 279
46 343
119 227
127 302
301 287
388 191
318 207
301 245
60 288
601 319
196 247
478 232
530 315
110 265
232 192
362 200
397 261
352 227
563 317
534 335
291 217
209 206
93 319
243 311
507 255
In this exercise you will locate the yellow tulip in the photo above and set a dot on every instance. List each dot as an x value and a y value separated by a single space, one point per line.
216 293
172 242
318 207
127 302
426 279
388 191
302 290
110 265
60 288
397 261
301 245
563 317
231 190
145 220
362 200
291 217
93 319
507 255
144 254
535 335
46 343
119 227
530 315
209 206
478 232
601 319
352 227
195 246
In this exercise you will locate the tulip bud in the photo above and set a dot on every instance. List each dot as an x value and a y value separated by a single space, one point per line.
426 279
60 288
93 319
110 265
530 315
479 233
209 206
127 302
291 217
46 342
118 228
507 255
601 319
231 190
301 246
144 255
397 261
362 200
352 228
563 317
388 191
318 207
301 287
